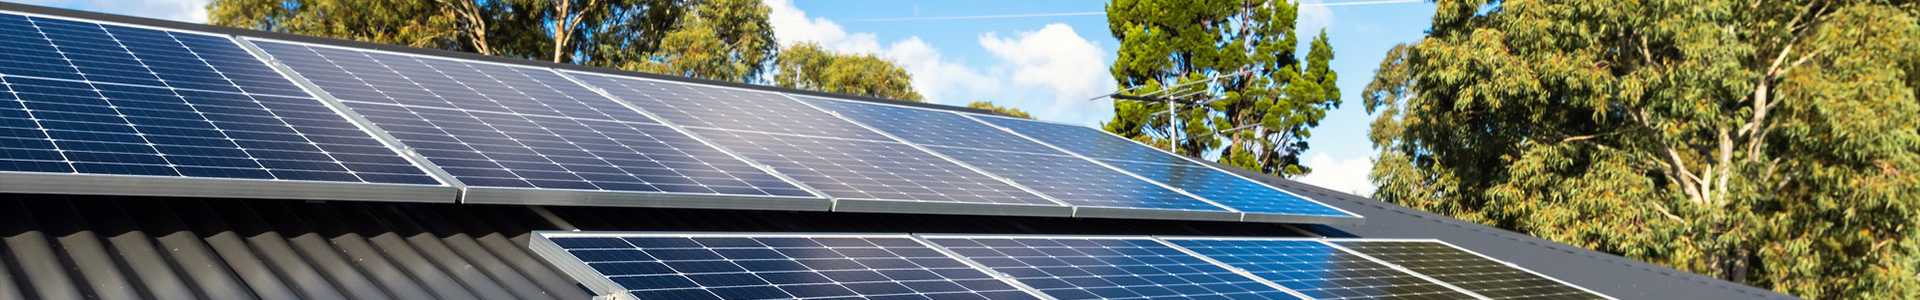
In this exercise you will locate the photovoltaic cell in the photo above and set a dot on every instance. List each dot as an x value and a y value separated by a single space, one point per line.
1319 270
781 267
1207 182
1083 140
724 108
1109 268
1077 181
931 128
1227 189
1066 178
1467 270
492 125
93 98
859 169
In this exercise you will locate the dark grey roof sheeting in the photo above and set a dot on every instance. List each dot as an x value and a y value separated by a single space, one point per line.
85 247
1613 275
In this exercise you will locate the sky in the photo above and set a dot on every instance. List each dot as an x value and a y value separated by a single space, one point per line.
1045 57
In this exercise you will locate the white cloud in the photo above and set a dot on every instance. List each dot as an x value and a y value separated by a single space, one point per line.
178 10
1057 60
1348 175
1049 72
1314 15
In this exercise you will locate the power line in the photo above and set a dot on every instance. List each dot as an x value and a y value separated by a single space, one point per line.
1087 13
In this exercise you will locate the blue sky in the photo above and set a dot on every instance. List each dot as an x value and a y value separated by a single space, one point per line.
1049 64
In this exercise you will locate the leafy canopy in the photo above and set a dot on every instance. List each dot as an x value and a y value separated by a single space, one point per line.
1772 143
808 66
1005 111
1262 115
728 40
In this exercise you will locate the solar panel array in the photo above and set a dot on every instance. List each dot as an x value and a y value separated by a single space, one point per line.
493 125
1479 274
810 266
1056 174
781 267
1107 268
1319 270
1214 184
91 98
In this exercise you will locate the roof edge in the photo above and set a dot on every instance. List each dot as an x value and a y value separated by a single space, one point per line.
70 13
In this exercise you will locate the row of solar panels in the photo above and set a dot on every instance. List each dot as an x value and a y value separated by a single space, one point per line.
98 108
900 266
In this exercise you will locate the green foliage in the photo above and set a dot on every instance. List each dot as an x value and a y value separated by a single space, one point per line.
1262 118
1005 111
401 22
810 67
726 40
1773 143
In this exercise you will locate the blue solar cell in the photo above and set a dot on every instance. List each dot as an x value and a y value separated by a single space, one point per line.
768 267
1082 140
1207 182
1107 268
930 127
1227 189
1318 270
859 169
493 125
1076 181
725 108
103 99
1469 271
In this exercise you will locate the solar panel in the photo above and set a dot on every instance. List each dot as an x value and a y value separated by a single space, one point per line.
1063 177
1467 270
517 129
1107 268
1318 270
698 106
101 99
930 127
768 266
1261 202
855 170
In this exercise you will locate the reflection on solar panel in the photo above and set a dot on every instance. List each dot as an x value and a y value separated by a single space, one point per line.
725 108
1056 174
1107 268
1227 189
492 125
1260 201
1318 270
649 266
1467 270
931 128
1079 182
854 169
104 99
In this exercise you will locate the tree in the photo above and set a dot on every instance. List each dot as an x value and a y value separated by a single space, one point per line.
808 66
1267 98
726 40
1773 143
715 39
1005 111
422 24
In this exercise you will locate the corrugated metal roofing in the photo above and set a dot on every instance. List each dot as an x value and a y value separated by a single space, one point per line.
74 247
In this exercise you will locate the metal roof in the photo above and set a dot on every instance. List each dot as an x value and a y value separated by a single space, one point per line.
97 247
